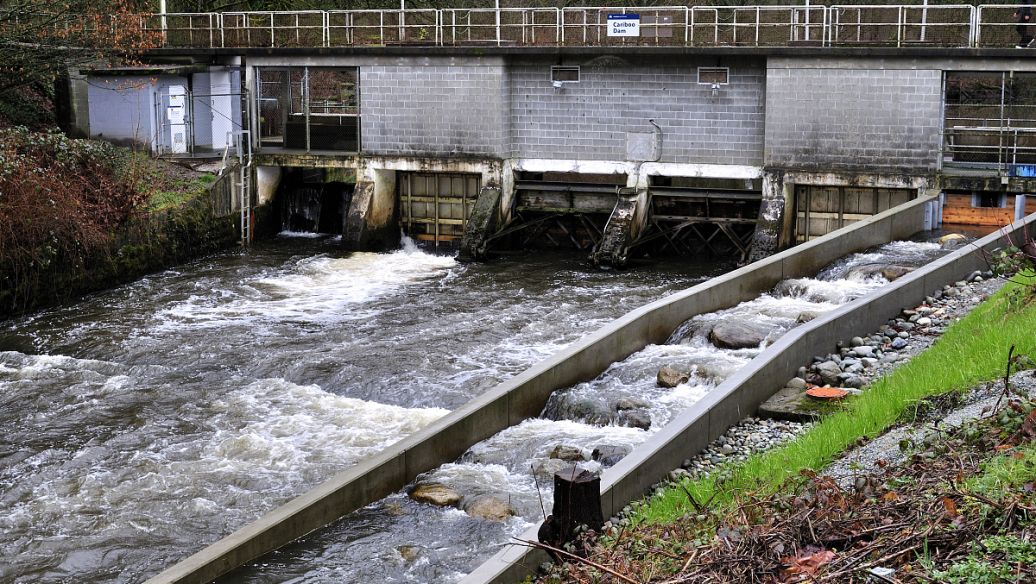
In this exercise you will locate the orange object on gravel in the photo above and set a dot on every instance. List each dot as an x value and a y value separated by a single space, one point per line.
826 393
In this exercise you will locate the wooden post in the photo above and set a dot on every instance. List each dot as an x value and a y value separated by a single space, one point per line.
577 501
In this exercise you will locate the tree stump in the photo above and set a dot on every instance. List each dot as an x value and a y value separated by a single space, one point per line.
577 501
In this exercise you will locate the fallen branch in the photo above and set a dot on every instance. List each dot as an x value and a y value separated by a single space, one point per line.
575 558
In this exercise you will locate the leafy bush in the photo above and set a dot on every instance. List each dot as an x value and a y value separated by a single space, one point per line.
1016 258
59 199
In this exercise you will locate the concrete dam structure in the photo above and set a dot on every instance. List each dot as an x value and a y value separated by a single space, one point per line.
783 138
732 131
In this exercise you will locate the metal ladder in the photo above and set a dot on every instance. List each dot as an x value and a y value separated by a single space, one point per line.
243 143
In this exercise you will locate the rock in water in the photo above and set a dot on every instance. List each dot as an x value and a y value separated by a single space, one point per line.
545 469
670 377
435 494
409 553
489 507
629 403
739 334
889 272
805 316
566 406
635 419
951 240
571 453
609 455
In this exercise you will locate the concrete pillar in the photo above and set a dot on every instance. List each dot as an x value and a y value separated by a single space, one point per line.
1019 207
383 206
370 223
267 179
507 192
771 228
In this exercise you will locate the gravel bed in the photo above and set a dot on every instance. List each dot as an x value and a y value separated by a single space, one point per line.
887 449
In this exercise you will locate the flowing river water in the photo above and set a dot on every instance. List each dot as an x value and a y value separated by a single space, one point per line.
143 423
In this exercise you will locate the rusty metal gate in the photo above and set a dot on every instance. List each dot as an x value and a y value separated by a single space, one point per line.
820 210
435 207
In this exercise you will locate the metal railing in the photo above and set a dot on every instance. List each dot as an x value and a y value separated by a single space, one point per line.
958 25
1002 146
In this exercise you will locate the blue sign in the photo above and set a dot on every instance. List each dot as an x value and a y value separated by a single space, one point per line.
1024 170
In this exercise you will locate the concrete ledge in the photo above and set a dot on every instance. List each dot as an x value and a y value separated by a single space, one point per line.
524 396
740 394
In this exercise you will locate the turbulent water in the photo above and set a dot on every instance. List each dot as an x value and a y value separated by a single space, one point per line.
144 422
399 540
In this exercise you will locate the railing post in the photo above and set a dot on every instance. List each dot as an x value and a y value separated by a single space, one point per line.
529 20
976 29
497 13
758 24
686 22
560 38
899 28
924 20
163 23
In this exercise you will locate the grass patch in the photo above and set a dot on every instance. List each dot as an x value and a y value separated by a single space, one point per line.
1005 473
166 185
1008 552
971 351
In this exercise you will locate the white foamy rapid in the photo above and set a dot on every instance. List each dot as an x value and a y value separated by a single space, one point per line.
302 234
170 481
315 289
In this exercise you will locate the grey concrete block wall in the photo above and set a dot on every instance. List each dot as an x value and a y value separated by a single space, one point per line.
853 116
589 120
435 106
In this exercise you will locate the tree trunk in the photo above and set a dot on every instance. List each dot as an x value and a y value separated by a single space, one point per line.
577 501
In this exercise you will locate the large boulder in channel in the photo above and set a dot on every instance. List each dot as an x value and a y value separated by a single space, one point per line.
952 241
565 452
488 507
435 494
608 455
544 469
568 406
635 419
630 403
739 334
890 272
671 377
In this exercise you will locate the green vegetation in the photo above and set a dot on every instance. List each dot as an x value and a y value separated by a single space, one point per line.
972 350
1005 473
1008 551
168 186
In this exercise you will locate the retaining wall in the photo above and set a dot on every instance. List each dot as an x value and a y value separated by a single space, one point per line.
524 396
740 394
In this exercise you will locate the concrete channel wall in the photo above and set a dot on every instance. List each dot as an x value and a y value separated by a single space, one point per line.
524 396
740 394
